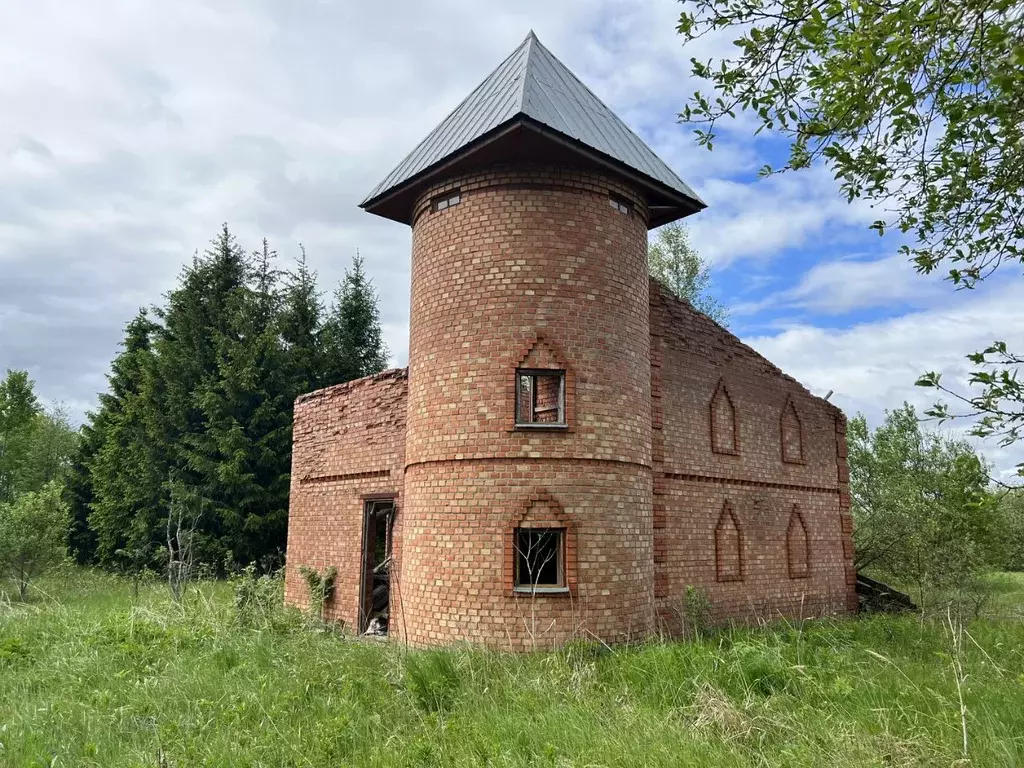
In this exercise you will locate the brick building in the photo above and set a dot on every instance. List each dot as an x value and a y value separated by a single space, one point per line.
571 446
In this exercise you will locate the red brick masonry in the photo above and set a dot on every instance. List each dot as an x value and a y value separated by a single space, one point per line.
686 459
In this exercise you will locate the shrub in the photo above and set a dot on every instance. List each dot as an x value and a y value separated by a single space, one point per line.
922 511
259 599
761 669
697 611
1012 526
33 531
321 587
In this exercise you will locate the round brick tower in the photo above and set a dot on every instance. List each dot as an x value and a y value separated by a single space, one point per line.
526 516
533 269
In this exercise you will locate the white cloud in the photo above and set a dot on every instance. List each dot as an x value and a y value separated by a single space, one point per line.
842 285
838 286
873 366
761 219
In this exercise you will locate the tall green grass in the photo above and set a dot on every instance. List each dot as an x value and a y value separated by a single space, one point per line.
90 676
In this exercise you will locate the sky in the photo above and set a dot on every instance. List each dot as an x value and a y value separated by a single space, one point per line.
130 130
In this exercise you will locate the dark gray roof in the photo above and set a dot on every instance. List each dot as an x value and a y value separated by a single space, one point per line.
533 83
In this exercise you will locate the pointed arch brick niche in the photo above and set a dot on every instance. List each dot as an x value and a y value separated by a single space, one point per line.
798 550
791 434
724 423
728 546
541 510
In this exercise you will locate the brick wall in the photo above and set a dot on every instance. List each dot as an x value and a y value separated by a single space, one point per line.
348 442
532 269
765 531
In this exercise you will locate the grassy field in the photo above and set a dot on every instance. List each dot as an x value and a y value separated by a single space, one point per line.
91 675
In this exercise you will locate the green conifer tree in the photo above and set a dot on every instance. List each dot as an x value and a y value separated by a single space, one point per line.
301 324
198 317
243 455
79 495
201 399
353 345
124 462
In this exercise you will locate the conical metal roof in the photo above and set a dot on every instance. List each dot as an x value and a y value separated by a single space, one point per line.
533 85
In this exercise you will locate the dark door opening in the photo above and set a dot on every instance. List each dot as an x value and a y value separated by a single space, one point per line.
375 588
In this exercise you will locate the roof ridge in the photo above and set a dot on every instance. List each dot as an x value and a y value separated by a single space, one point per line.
610 111
378 189
531 38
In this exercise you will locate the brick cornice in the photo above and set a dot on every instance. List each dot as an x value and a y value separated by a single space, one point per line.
529 459
346 476
748 483
526 177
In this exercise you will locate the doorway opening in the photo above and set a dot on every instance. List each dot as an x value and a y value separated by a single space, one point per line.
375 587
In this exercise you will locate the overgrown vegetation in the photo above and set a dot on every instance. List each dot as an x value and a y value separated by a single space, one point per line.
90 676
36 445
33 532
320 586
697 611
1012 512
924 514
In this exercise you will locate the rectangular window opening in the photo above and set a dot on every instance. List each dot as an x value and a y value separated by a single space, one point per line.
540 560
540 398
447 200
620 204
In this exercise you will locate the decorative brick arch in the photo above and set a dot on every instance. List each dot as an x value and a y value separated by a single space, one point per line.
725 433
791 433
798 552
539 510
540 352
728 546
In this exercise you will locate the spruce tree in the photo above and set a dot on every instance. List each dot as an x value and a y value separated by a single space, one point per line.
120 452
79 495
243 456
198 313
200 400
353 345
301 320
195 322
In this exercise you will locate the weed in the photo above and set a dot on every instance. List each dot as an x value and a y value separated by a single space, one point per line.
713 709
13 650
259 599
321 588
697 610
434 680
761 669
